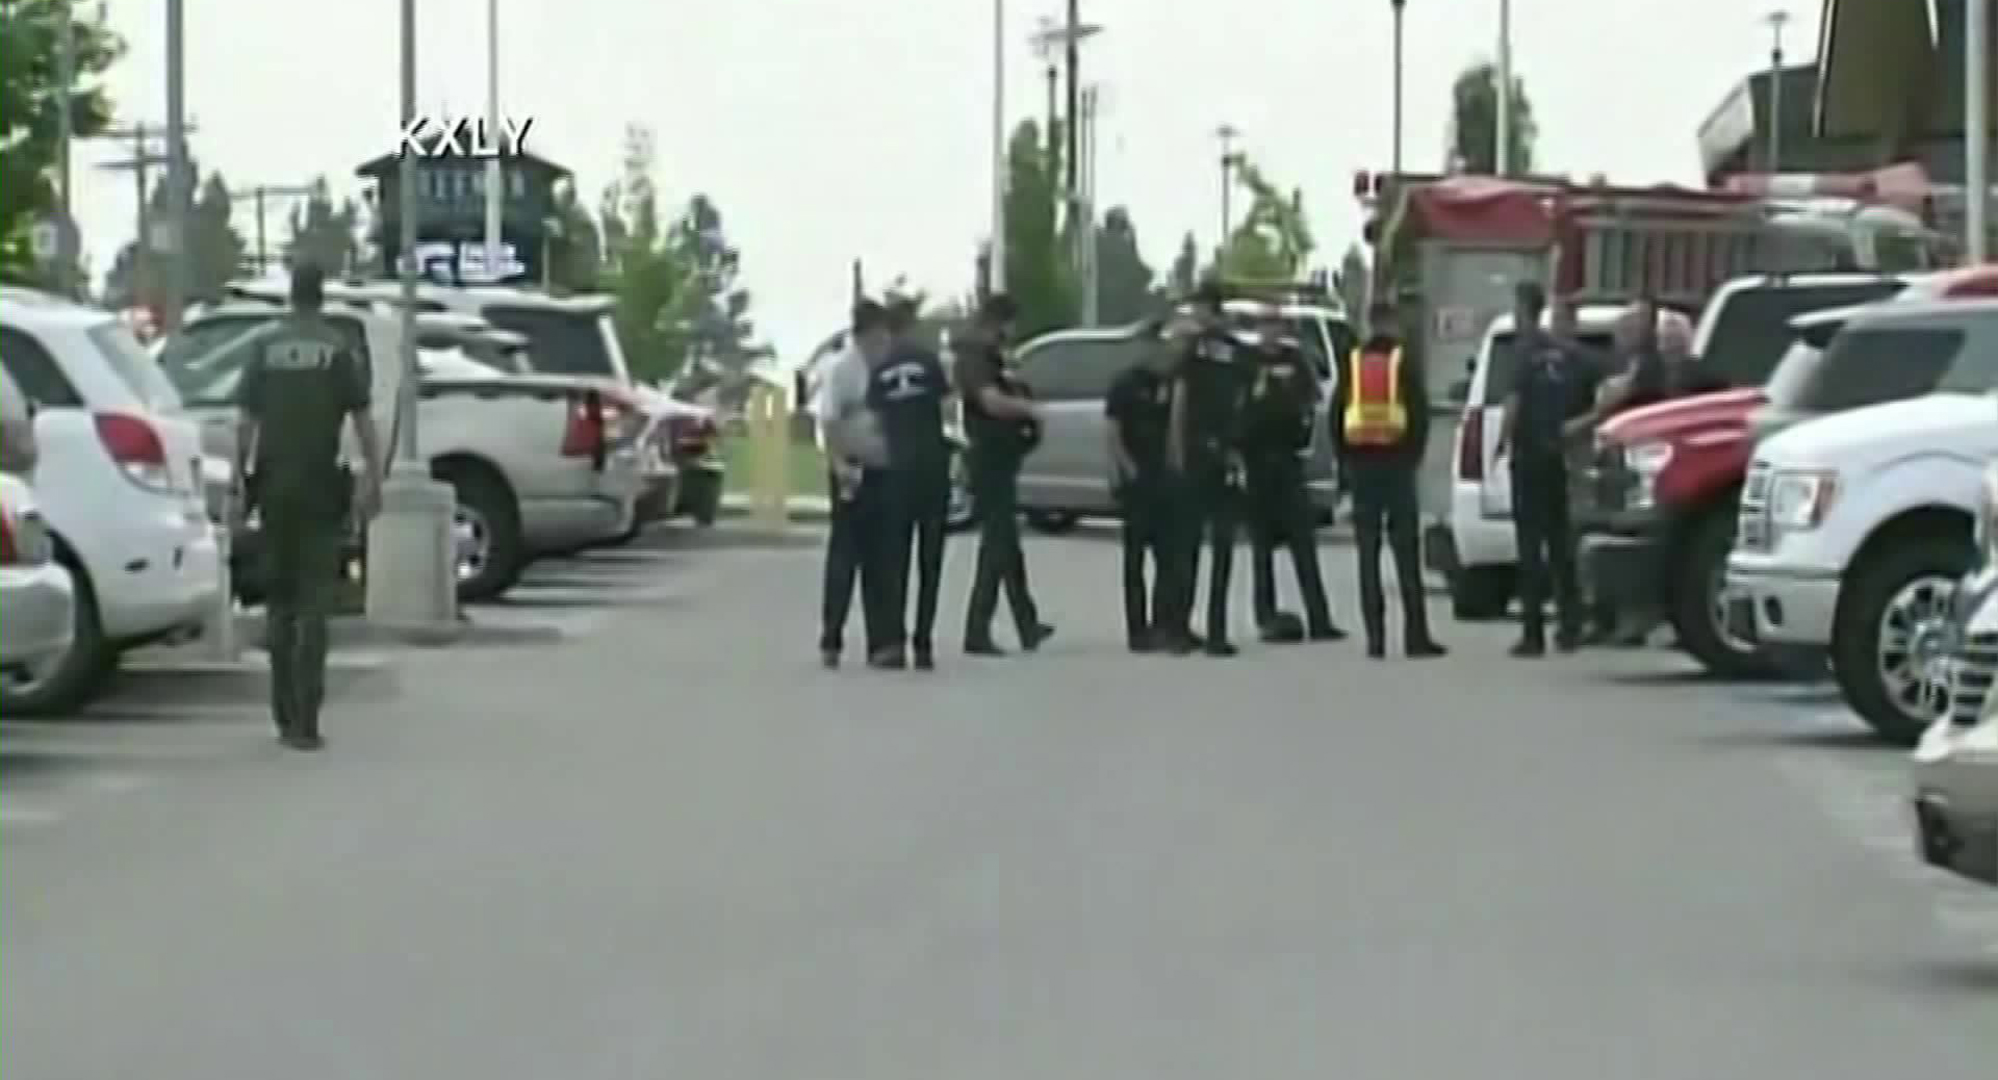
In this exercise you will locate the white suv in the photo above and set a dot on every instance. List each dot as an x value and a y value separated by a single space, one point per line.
119 483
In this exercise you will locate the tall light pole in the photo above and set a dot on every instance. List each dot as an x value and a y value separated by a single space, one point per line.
412 553
495 177
1502 157
1075 35
1976 127
995 252
1398 6
1087 200
180 185
1230 158
65 135
1776 21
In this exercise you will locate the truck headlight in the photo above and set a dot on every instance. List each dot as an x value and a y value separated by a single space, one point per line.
1801 499
1646 460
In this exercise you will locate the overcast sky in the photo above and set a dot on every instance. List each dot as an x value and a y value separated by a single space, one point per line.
830 129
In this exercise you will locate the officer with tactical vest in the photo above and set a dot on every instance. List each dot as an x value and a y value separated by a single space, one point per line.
1004 426
1203 455
1380 427
1281 415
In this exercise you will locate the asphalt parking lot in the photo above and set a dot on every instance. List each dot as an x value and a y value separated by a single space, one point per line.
658 840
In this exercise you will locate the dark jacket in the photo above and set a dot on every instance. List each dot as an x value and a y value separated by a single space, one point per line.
1414 398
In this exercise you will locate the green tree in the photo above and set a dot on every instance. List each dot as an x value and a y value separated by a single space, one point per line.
1351 281
1038 274
1124 280
650 276
1273 241
717 315
576 245
323 233
31 102
1473 136
215 248
1185 274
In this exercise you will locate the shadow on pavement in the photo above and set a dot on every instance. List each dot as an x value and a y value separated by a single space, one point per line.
1952 977
1858 740
1683 677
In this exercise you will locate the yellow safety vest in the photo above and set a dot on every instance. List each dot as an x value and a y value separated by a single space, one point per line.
1375 415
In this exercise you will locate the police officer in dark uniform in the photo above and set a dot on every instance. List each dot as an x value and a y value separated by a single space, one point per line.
1203 455
1281 416
1003 424
1139 408
1380 428
1551 390
298 390
906 392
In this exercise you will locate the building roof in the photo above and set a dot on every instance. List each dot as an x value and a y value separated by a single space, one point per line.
385 166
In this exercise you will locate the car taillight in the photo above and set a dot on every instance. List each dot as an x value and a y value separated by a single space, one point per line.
10 551
1471 445
135 446
586 433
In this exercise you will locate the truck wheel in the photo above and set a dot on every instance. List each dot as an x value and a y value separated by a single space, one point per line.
1895 597
1696 611
1482 592
486 526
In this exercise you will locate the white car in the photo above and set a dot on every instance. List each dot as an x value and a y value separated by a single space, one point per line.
35 591
120 483
1481 556
1855 527
1956 763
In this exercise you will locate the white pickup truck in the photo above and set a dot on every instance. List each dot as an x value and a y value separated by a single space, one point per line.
1854 528
541 464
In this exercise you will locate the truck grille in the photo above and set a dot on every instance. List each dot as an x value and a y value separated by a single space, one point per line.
1751 530
1602 486
1971 674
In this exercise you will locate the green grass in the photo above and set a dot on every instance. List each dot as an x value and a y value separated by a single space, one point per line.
802 461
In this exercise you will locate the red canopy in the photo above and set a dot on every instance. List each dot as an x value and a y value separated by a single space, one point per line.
1482 209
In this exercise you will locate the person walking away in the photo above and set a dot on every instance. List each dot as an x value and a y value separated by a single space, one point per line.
300 387
1380 428
1139 408
1282 413
906 393
1203 454
1551 392
854 491
1002 424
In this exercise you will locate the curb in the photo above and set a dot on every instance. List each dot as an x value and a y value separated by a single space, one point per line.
798 509
352 631
196 681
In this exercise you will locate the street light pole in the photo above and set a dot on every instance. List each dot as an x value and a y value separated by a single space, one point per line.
1976 127
495 178
1502 158
995 252
412 551
180 185
1776 20
1227 133
65 135
1398 6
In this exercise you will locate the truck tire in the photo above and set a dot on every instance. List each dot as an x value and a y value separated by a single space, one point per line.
1884 598
1695 609
486 513
1479 593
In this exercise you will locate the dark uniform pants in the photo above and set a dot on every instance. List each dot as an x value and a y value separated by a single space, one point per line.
1204 515
919 501
995 487
852 557
302 542
1143 501
1546 547
1384 507
1281 515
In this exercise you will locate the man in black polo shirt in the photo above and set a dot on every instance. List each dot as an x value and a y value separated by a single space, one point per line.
1139 408
1203 455
1552 390
906 393
1002 424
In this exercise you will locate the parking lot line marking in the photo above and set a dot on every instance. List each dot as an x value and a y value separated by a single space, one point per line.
27 816
120 783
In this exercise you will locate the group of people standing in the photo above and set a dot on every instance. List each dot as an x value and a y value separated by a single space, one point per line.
881 412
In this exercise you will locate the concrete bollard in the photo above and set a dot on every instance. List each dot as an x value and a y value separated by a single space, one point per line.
220 632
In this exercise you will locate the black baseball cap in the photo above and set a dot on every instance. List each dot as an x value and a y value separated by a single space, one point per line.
869 315
308 285
998 308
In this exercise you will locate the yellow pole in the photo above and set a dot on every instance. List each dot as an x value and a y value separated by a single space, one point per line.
768 435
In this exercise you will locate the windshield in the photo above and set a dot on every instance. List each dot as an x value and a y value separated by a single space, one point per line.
561 342
1751 332
133 364
1504 364
1869 366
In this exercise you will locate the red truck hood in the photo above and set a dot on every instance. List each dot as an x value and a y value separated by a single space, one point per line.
1671 420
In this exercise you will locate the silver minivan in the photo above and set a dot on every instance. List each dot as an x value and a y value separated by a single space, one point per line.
1067 477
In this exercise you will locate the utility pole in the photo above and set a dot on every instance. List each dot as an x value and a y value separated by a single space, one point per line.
143 160
1977 128
259 196
1502 158
1074 43
1087 237
995 252
495 176
180 182
1776 21
1230 158
1397 5
65 135
1047 43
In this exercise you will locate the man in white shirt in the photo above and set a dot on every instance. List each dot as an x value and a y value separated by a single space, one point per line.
855 455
